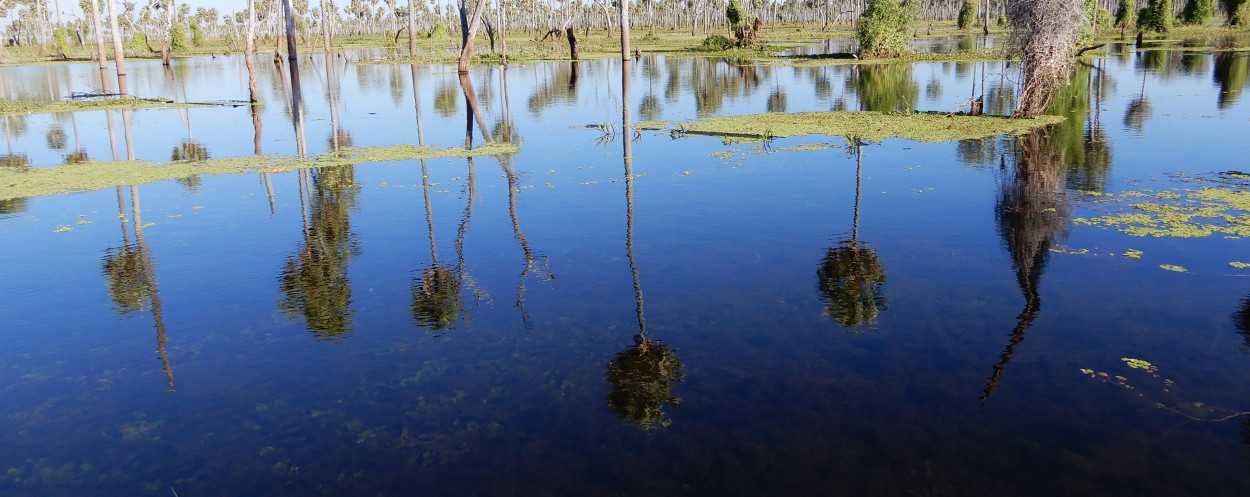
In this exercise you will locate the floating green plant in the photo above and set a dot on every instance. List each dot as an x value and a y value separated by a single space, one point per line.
1177 213
92 175
1171 267
1163 394
1239 265
872 126
1132 254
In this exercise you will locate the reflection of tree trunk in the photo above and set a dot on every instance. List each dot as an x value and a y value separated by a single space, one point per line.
149 272
627 155
470 98
1032 214
416 103
297 114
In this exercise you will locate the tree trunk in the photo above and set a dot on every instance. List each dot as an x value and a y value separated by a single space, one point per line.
291 52
101 54
325 23
412 30
573 48
249 50
468 31
624 12
119 55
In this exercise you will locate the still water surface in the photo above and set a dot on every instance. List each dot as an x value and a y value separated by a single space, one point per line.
691 317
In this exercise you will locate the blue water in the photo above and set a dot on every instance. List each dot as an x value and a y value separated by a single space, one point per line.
258 347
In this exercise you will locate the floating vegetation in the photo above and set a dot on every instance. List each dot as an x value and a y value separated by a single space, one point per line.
1164 394
92 175
12 107
1178 213
1170 267
872 126
1239 265
1132 254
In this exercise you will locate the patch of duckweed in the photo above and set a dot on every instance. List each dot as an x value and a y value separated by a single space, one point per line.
1179 213
1239 264
12 107
1174 268
92 175
1132 254
872 126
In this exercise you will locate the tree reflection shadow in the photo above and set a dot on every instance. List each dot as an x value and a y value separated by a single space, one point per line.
1032 214
641 377
851 278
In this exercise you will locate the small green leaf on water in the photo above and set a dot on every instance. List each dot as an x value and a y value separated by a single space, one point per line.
1087 371
1239 265
1132 254
64 228
82 221
1175 268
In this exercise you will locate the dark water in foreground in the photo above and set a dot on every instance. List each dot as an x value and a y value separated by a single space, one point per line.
457 327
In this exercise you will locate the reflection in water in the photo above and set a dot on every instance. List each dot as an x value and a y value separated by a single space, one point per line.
851 278
558 86
1241 319
436 301
641 377
15 163
131 277
884 87
314 280
1032 214
1230 74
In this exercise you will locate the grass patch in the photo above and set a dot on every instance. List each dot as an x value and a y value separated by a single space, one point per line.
925 127
92 175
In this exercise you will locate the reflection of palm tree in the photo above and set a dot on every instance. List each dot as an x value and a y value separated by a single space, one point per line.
641 377
314 280
885 87
1031 214
131 278
436 301
851 277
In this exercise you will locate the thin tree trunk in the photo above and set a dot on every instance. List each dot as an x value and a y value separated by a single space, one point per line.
412 29
291 52
119 54
249 50
101 54
624 11
325 23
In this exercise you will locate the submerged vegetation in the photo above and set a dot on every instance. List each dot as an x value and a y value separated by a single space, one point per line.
92 175
872 126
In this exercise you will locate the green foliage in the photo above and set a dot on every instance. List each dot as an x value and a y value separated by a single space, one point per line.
885 28
439 32
967 15
139 42
1156 17
1237 11
1126 14
1197 11
733 13
177 37
58 39
745 27
716 42
197 35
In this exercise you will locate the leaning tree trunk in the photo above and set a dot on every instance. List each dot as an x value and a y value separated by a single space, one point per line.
468 31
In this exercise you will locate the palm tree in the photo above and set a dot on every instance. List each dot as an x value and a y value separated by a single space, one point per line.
850 276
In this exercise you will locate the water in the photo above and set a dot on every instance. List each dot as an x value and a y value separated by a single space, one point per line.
456 327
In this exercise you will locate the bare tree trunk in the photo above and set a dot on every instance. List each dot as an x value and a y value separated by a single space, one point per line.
624 11
468 31
412 30
291 52
101 54
325 24
249 50
573 46
169 34
119 55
